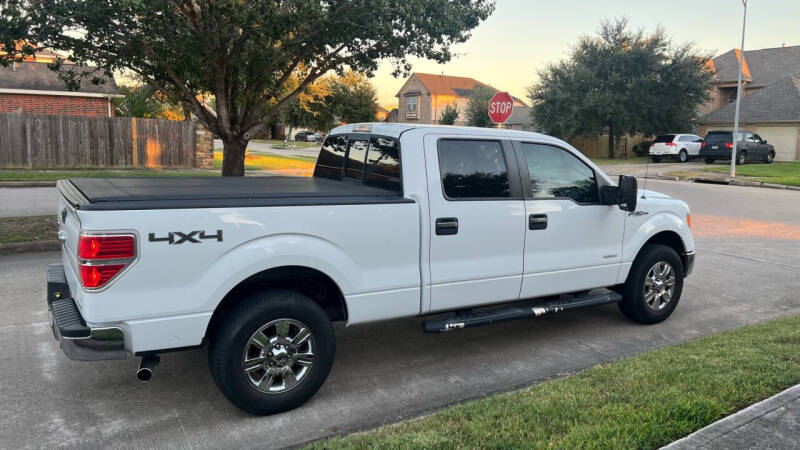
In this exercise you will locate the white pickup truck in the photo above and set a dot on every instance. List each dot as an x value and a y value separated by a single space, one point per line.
398 221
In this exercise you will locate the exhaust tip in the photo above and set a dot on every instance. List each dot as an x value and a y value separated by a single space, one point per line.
144 375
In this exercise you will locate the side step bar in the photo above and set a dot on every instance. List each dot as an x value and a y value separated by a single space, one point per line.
503 315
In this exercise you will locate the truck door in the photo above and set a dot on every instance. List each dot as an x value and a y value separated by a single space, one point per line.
572 242
477 219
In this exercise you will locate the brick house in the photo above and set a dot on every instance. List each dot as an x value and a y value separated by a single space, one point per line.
33 88
424 97
770 104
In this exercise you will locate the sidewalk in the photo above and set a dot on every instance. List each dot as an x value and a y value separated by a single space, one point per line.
770 424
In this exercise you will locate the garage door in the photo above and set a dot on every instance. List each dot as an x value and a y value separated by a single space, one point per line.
783 138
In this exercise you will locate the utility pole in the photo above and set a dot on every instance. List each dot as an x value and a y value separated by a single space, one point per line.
735 139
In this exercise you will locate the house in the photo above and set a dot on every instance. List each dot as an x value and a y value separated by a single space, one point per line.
382 114
520 119
424 97
33 88
770 104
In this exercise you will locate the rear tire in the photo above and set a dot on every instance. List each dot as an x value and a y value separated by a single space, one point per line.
263 361
741 159
654 285
656 159
683 156
708 160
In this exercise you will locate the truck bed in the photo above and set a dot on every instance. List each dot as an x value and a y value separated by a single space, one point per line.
217 192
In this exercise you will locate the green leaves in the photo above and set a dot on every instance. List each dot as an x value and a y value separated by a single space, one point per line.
449 115
478 107
628 80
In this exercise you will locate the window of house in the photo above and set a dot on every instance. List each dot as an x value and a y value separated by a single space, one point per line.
557 173
355 158
473 169
383 164
412 106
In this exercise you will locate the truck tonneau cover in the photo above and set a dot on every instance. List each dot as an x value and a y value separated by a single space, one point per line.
217 192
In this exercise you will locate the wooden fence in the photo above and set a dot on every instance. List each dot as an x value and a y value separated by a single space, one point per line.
31 140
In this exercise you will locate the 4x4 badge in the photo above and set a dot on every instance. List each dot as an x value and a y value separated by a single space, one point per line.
192 237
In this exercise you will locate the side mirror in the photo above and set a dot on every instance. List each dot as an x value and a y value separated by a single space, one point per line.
764 141
624 194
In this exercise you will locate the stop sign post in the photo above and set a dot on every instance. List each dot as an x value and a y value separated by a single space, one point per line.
500 108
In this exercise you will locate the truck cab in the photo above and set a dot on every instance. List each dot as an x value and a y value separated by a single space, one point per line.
398 221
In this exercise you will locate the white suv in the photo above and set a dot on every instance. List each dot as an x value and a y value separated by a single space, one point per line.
682 147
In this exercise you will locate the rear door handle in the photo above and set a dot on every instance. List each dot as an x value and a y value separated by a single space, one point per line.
446 226
537 221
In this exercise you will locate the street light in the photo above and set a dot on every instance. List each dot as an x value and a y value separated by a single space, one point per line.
738 96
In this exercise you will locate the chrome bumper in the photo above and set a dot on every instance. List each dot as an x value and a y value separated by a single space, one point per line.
77 340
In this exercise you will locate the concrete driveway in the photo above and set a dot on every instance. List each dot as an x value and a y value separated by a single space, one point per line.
748 240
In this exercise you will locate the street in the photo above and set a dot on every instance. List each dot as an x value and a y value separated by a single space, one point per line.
29 201
746 272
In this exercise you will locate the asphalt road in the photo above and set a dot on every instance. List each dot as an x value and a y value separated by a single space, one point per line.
748 242
263 147
33 201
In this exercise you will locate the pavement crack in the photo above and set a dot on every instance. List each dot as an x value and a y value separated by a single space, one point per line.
749 258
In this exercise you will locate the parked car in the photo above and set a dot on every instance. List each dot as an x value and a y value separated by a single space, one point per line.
307 136
398 221
682 147
750 147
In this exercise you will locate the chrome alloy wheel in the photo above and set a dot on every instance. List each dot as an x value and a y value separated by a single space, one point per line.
279 356
659 285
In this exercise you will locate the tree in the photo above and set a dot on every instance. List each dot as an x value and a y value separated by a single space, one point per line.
146 101
449 115
241 51
478 107
624 81
353 98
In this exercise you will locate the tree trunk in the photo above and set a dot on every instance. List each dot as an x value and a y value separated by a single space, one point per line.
233 156
611 141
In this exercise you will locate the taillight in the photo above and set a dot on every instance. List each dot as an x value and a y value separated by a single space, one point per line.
703 145
103 257
729 145
670 144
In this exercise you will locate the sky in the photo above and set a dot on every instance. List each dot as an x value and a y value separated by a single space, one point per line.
523 36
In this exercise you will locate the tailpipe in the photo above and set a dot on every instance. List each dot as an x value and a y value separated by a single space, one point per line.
146 368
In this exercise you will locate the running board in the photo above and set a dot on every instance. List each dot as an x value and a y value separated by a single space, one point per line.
503 315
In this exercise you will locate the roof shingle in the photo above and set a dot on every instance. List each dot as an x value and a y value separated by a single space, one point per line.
38 77
779 101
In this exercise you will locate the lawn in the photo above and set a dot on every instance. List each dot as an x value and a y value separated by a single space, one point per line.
787 173
58 174
272 162
644 401
292 144
28 229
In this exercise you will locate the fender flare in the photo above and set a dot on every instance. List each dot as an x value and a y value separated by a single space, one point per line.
658 223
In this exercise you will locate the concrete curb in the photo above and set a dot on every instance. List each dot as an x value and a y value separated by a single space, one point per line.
24 184
29 247
728 181
705 437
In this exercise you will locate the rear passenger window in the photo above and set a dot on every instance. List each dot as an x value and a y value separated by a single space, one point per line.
355 159
383 164
331 158
473 169
555 173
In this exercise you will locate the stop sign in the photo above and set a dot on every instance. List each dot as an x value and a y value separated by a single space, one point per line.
500 107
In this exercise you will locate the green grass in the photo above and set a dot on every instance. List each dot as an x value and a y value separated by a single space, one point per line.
28 229
263 161
644 401
631 160
292 144
787 173
58 174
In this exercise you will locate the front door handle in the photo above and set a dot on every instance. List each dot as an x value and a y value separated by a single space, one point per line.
537 221
446 226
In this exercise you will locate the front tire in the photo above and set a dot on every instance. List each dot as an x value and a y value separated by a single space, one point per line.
272 352
654 285
769 158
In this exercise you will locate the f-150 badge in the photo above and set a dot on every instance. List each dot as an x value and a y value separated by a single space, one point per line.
192 237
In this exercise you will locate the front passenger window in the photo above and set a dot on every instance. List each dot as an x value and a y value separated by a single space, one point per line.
557 173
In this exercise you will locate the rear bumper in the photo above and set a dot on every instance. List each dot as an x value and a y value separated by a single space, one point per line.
77 340
716 154
688 263
663 152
